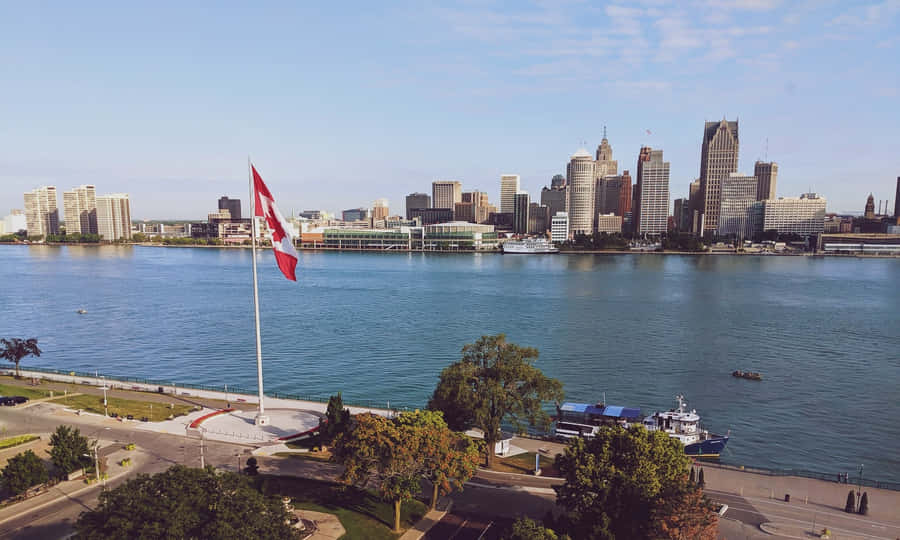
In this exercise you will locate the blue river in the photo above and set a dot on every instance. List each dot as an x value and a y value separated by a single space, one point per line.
638 329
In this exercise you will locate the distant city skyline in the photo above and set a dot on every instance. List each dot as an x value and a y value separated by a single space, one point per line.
410 94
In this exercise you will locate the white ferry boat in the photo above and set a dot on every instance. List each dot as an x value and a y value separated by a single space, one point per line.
529 246
684 425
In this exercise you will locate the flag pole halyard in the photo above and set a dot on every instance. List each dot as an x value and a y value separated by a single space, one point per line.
261 418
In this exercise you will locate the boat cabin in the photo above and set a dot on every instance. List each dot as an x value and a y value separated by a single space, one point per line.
585 420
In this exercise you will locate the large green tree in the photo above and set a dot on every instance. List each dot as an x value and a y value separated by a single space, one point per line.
630 483
23 471
15 349
337 418
69 450
186 503
449 459
377 448
494 382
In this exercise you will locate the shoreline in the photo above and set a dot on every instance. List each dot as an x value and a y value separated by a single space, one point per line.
471 252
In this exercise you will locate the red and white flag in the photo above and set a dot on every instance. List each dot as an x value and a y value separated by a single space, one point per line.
282 243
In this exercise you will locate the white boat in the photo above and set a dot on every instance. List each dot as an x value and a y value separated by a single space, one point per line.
81 311
529 246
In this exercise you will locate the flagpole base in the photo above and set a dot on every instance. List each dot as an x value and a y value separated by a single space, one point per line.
261 420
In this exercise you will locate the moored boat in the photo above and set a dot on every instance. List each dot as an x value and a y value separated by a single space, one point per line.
529 246
751 375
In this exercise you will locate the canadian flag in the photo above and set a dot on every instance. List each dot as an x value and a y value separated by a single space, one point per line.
282 243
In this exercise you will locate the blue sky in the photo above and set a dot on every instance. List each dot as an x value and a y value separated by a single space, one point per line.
339 106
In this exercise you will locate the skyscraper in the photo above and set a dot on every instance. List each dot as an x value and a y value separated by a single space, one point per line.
643 155
509 186
446 193
613 194
417 200
580 187
625 205
554 198
481 206
559 227
870 208
520 213
718 159
41 212
766 174
114 217
652 207
380 209
538 218
558 182
80 209
897 200
605 165
232 205
737 196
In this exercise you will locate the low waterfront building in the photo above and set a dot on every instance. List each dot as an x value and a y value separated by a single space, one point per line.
860 244
451 236
804 215
609 223
559 227
459 235
737 196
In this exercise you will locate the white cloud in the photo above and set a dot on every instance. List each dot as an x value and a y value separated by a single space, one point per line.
870 15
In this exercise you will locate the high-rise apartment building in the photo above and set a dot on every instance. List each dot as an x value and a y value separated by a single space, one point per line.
232 205
766 174
580 188
380 209
559 227
652 205
520 212
803 215
80 210
113 217
445 193
15 222
41 212
417 200
738 194
509 186
718 159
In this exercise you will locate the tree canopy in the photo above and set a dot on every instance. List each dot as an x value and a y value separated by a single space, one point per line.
15 349
186 503
69 450
337 419
631 483
493 383
23 471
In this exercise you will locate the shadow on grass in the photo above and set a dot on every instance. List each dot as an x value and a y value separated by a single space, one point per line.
332 497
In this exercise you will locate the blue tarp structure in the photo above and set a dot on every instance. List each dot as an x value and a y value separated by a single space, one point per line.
609 411
574 407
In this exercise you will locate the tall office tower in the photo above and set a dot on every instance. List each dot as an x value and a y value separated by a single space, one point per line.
625 195
718 159
897 200
509 186
605 165
653 193
869 214
558 182
520 213
113 217
80 208
41 212
737 196
446 193
613 194
480 207
695 207
555 199
643 155
679 212
232 205
380 209
580 187
538 218
766 174
417 200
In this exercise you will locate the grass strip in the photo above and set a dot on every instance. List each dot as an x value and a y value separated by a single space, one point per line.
153 411
16 441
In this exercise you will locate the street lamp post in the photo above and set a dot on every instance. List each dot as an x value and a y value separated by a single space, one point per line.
105 404
859 488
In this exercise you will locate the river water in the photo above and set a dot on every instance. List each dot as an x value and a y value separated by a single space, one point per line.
638 329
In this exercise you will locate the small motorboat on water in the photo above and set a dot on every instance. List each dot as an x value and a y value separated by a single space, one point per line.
752 375
81 311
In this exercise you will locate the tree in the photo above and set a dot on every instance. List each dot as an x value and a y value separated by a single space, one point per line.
618 484
494 382
683 513
449 459
864 504
336 419
850 507
186 503
23 471
15 349
529 529
69 450
379 448
252 467
700 480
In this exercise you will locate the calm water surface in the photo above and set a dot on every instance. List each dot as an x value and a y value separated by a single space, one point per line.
824 332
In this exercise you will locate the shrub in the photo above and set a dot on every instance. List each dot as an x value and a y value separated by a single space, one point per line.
850 507
252 467
700 480
864 504
23 471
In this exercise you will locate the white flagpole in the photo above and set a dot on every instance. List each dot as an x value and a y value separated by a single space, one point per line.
261 418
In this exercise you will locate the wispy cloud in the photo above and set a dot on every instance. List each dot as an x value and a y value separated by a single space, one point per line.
881 13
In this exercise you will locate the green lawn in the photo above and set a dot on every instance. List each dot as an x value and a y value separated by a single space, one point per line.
363 515
524 464
307 455
16 441
124 407
15 390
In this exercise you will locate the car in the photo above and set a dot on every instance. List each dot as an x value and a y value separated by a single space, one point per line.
7 401
20 399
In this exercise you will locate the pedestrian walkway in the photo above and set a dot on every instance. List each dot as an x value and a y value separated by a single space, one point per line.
428 521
